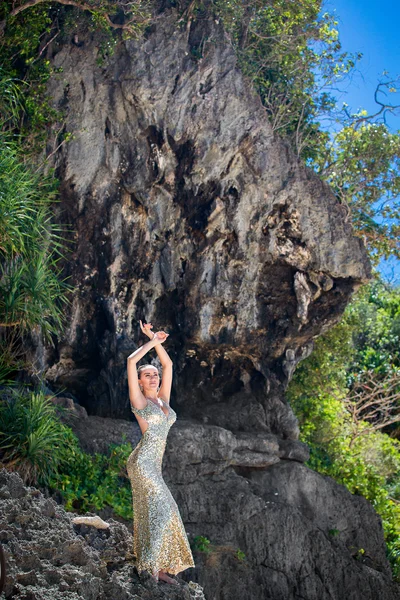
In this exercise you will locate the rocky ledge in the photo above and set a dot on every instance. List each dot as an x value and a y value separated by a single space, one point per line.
277 529
48 557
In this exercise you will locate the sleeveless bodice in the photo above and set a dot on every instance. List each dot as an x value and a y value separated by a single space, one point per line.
159 422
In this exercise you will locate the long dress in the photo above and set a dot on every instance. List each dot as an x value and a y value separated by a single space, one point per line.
159 537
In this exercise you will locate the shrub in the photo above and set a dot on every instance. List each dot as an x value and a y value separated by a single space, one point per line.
32 439
91 482
45 452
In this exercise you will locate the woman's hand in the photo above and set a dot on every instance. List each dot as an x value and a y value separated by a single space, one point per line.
146 329
160 337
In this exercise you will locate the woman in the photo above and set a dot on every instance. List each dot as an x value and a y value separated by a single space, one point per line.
160 541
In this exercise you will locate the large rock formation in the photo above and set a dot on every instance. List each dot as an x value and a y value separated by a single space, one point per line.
189 212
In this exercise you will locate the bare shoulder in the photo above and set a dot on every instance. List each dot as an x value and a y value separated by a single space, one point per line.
138 401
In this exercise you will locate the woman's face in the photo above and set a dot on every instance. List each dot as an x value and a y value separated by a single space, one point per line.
149 379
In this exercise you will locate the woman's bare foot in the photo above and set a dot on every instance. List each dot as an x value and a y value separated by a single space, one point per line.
164 577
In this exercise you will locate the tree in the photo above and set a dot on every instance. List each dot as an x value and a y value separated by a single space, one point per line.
362 165
373 403
346 396
292 54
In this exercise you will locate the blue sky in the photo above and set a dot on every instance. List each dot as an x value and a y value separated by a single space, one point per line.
370 27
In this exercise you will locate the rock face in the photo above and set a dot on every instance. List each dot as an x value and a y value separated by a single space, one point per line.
302 536
48 557
189 212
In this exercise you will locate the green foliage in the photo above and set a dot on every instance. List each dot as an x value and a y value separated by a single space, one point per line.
45 452
23 65
367 464
240 554
362 165
394 557
359 555
334 532
91 482
376 340
32 439
32 291
202 544
11 101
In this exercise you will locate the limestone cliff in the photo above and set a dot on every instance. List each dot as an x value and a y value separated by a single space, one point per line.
189 212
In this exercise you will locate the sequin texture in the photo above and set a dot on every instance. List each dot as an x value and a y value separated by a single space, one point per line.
159 537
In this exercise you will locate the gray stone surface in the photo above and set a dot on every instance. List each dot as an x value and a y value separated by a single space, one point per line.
48 557
207 447
189 212
302 535
95 434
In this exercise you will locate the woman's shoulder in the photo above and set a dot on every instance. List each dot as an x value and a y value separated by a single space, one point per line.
164 399
136 409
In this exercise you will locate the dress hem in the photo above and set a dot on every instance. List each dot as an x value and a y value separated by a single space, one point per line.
174 571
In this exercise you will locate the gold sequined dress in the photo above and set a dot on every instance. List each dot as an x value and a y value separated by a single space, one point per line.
159 537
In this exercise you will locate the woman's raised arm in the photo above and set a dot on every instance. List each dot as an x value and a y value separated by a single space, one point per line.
135 394
166 363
